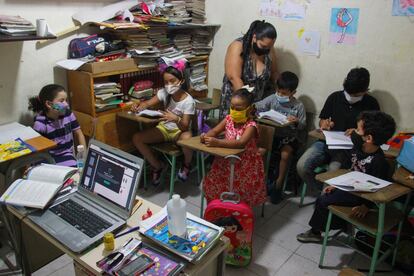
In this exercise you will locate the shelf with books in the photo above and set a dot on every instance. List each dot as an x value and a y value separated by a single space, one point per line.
9 38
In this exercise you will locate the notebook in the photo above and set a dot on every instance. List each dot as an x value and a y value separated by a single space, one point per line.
103 202
41 185
275 116
337 140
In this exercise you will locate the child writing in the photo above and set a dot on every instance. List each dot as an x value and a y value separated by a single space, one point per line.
174 124
287 139
374 128
55 121
240 132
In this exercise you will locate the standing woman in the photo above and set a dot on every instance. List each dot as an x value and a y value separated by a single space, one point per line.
250 60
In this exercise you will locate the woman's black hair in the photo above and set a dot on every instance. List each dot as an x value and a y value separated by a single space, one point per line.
179 75
47 93
244 94
262 30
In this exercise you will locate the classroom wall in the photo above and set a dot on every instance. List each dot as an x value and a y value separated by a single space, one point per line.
25 67
385 46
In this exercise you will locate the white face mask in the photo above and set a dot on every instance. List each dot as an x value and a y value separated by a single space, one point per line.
352 99
172 88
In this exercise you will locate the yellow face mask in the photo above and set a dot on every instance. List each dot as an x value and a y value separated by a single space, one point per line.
239 116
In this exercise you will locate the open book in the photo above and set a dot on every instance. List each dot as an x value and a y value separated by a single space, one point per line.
150 113
337 140
358 182
275 116
42 183
201 235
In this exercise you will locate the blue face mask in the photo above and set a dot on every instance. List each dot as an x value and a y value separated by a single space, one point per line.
282 99
61 107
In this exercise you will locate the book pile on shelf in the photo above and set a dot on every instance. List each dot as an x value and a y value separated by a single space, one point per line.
183 44
198 75
201 40
16 26
176 12
197 8
107 96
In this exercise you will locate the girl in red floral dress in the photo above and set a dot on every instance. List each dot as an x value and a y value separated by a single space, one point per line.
240 132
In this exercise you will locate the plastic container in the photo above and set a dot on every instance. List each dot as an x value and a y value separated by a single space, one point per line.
177 216
109 241
80 157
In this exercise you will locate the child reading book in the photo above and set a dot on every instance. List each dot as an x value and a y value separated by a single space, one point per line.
374 128
287 139
240 132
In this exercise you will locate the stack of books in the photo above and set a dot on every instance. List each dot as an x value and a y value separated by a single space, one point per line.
198 12
177 13
107 95
16 26
198 76
201 40
183 44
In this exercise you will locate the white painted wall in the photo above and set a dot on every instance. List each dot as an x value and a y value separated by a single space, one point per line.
25 67
385 46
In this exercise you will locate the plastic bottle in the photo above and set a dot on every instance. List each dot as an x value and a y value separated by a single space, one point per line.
80 157
177 216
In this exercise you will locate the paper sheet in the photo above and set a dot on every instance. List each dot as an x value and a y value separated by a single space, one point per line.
150 113
15 130
309 43
70 64
358 181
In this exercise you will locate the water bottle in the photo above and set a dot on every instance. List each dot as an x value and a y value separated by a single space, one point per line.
177 216
80 157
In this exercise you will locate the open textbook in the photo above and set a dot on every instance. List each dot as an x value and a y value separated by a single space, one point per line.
358 182
337 140
274 116
150 113
41 185
201 235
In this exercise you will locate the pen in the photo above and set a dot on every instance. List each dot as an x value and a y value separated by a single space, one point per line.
373 182
127 231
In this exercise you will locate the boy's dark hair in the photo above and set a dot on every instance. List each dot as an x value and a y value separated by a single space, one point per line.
357 81
262 30
244 94
287 80
378 124
47 93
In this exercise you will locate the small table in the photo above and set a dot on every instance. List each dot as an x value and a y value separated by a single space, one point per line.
374 225
129 115
194 143
85 264
391 153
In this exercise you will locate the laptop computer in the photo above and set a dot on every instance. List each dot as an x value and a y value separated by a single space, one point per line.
102 203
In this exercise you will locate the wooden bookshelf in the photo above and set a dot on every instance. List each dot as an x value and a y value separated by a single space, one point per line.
9 38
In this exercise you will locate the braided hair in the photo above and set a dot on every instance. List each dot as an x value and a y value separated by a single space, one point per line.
259 28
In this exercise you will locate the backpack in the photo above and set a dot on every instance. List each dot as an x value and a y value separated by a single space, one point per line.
406 156
81 47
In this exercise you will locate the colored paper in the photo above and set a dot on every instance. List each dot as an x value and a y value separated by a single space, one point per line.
343 26
309 43
403 8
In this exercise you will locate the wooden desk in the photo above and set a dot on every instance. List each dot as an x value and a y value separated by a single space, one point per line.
195 144
401 176
391 153
376 223
383 195
85 264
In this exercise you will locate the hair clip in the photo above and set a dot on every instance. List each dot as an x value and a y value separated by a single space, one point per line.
249 88
178 64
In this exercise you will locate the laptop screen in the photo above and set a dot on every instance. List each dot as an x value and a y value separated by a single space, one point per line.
110 176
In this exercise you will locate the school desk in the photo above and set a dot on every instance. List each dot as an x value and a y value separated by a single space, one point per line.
41 144
195 144
391 153
376 223
401 176
85 263
129 115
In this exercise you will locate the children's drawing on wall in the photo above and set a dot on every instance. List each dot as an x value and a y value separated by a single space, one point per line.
309 42
285 9
403 8
343 26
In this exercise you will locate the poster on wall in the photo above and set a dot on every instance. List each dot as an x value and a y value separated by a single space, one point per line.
343 26
309 42
403 8
285 9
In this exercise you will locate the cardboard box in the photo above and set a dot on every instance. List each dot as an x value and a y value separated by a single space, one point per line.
109 66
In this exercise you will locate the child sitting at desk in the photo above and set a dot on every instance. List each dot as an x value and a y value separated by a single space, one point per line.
240 132
287 139
374 129
175 122
55 121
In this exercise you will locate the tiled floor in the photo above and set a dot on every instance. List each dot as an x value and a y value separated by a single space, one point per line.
275 248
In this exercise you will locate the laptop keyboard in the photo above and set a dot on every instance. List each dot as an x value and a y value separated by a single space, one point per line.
81 218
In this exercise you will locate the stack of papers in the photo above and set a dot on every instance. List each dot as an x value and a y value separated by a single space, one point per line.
337 140
16 26
358 181
275 116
